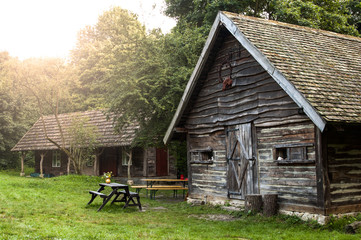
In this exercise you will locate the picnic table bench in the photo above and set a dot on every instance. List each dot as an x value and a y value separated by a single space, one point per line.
117 190
152 188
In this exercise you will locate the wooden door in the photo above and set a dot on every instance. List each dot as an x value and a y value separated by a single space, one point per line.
162 161
241 173
109 161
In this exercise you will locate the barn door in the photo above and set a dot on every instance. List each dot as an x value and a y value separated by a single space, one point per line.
162 161
241 162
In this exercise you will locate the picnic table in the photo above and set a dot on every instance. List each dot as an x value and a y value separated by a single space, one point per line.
153 188
117 190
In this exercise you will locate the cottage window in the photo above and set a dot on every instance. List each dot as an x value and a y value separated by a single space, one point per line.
204 156
125 157
56 161
292 153
90 162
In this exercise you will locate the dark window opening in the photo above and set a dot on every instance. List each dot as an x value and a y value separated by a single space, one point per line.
292 153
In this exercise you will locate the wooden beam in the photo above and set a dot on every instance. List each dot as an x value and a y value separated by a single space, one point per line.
180 130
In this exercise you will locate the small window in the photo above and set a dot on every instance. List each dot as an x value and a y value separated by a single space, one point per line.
56 161
292 153
202 156
90 162
125 157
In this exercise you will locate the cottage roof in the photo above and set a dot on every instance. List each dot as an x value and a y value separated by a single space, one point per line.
35 139
320 70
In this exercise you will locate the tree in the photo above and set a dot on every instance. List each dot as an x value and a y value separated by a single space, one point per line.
203 12
354 9
102 53
328 15
82 140
338 16
15 112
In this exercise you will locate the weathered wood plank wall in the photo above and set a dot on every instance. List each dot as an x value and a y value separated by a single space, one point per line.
344 165
209 179
255 96
295 183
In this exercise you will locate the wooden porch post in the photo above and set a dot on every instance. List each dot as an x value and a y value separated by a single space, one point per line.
95 167
97 154
42 155
68 166
23 154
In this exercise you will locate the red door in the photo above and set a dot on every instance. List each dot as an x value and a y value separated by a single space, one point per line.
162 162
108 162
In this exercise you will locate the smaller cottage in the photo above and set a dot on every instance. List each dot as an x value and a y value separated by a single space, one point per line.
110 153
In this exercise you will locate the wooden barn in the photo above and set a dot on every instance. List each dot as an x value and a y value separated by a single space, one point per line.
110 154
274 108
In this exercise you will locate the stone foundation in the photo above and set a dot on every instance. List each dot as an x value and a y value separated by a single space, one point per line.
321 219
216 201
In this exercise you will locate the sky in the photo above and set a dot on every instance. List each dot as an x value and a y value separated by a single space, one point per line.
48 28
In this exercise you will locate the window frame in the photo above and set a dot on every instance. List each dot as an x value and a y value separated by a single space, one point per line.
282 153
202 156
125 157
56 159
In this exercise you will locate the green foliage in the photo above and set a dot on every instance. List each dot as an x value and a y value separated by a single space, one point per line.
203 12
102 54
15 112
323 14
354 9
338 16
149 93
339 224
178 149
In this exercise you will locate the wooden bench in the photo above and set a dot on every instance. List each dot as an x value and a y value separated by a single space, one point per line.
95 193
153 190
140 187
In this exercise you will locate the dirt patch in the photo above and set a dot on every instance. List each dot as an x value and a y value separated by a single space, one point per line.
214 217
159 208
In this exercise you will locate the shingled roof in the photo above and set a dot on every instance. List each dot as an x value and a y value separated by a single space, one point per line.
35 139
320 70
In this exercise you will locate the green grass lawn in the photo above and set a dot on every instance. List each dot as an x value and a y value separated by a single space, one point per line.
56 208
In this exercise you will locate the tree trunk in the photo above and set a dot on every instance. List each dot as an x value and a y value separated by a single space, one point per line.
95 166
270 204
68 166
129 164
253 202
42 155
